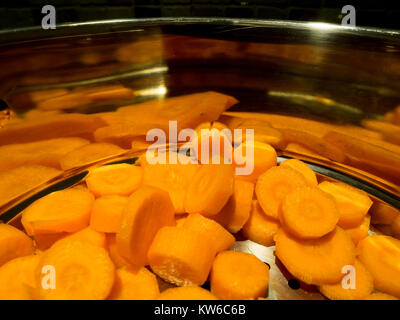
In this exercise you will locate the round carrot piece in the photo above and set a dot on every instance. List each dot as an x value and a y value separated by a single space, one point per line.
316 261
180 256
132 284
219 236
210 189
381 256
13 243
115 179
148 209
237 275
380 296
107 212
186 293
88 235
363 285
180 219
259 227
82 271
360 232
273 186
118 260
61 211
259 155
17 278
303 168
353 203
309 213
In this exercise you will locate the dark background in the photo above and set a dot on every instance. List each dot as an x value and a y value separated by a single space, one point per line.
372 13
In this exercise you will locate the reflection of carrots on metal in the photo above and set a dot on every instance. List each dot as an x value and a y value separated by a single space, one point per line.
389 131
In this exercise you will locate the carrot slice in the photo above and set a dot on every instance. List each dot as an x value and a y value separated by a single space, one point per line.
88 154
180 219
118 260
382 213
273 185
115 179
303 168
186 293
17 278
82 271
238 275
132 284
148 209
316 261
260 228
61 211
360 232
173 178
353 203
236 212
363 286
107 212
210 189
257 155
309 213
13 243
180 256
220 238
380 296
88 235
381 255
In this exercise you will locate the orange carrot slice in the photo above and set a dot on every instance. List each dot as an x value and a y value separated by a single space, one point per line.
258 155
118 260
13 243
303 168
132 284
180 219
17 278
82 271
148 209
273 185
363 285
115 179
382 213
210 189
61 211
360 232
107 212
316 261
380 296
259 227
236 212
220 238
380 255
88 235
186 293
180 256
238 275
309 213
353 203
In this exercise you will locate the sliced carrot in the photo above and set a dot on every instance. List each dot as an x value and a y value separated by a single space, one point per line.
303 168
309 213
360 232
118 260
363 285
132 284
61 211
259 227
180 256
13 243
17 278
382 213
273 185
253 159
88 154
107 212
381 255
173 178
238 275
221 239
380 296
88 235
210 189
391 132
82 271
316 261
236 212
115 179
148 209
180 219
45 152
353 203
15 182
186 293
45 241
